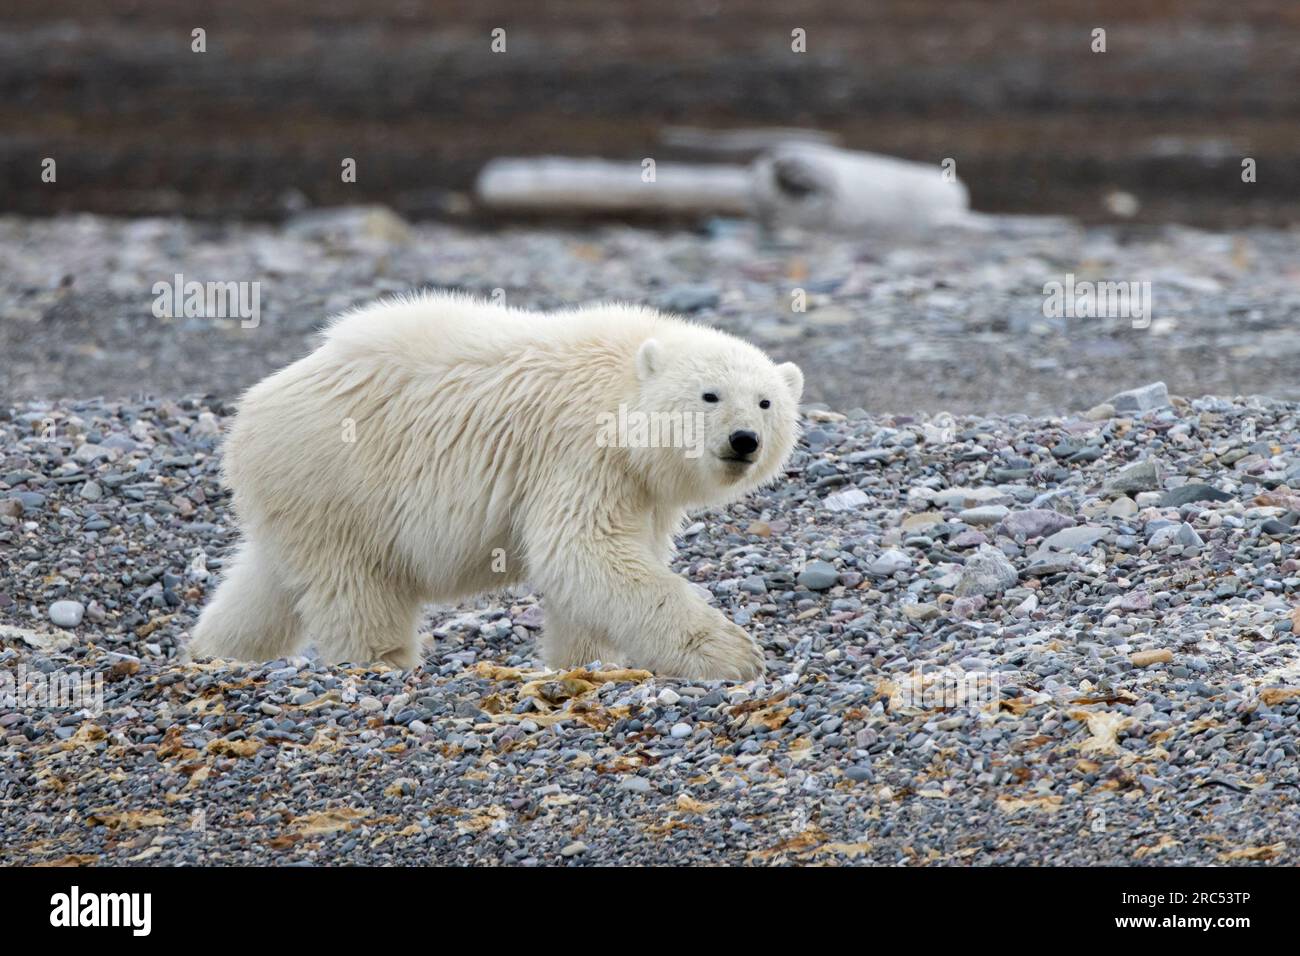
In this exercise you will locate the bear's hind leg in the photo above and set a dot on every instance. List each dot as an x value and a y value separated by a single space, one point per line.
252 616
363 622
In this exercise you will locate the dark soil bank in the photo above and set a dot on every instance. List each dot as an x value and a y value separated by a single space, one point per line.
1036 121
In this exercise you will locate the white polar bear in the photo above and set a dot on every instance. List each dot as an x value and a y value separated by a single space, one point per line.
436 447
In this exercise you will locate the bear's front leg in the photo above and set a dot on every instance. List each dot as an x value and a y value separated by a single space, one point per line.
567 642
612 585
715 647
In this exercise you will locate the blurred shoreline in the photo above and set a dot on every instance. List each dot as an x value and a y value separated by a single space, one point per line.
953 321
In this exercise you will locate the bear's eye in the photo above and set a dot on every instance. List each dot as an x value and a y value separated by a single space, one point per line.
765 404
710 396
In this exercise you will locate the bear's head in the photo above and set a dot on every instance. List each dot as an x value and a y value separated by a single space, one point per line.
719 417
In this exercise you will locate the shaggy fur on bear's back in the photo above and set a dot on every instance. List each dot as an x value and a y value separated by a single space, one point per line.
435 447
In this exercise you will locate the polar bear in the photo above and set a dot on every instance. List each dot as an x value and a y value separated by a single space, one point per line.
437 446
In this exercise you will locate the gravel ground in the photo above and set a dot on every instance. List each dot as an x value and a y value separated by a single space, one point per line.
952 322
1117 586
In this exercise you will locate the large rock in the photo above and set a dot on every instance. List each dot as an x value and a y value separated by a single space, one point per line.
1180 534
985 515
1140 476
1143 399
1034 523
688 298
987 571
847 500
67 613
818 576
89 453
922 522
1079 540
1045 563
1195 491
891 561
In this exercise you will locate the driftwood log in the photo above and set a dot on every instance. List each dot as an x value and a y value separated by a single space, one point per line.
802 184
819 187
576 187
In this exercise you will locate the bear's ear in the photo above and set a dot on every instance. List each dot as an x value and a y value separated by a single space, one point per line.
793 379
649 359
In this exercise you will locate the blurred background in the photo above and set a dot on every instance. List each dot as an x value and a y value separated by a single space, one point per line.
1038 122
214 162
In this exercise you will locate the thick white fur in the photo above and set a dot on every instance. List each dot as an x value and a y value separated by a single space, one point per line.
476 430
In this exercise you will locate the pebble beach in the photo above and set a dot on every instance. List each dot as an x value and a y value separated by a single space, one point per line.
958 321
990 639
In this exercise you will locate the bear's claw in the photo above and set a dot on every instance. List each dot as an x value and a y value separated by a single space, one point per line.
723 651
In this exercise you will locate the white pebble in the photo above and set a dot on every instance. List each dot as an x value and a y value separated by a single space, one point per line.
67 613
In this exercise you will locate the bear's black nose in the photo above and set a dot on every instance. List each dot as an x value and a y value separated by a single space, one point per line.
743 442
